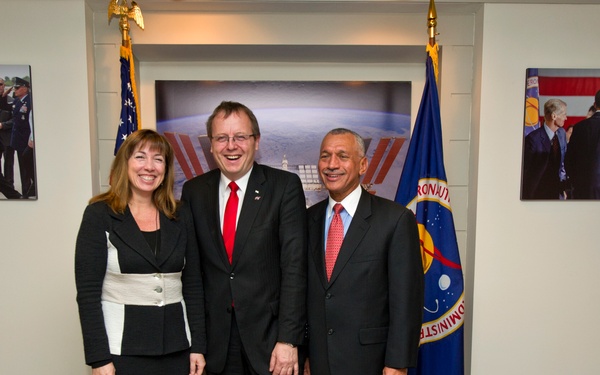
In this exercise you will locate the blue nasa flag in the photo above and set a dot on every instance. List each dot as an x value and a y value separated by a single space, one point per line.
129 119
424 189
532 101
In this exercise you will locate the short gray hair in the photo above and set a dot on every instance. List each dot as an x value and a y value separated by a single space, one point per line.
553 106
359 141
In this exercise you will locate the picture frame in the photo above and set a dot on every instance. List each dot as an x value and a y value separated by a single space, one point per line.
556 101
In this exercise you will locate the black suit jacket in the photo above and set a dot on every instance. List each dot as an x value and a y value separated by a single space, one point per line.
267 278
147 330
540 173
582 161
369 314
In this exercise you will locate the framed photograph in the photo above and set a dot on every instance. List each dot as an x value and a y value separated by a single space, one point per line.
561 135
293 116
17 145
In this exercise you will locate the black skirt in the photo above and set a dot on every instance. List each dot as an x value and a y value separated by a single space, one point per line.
177 363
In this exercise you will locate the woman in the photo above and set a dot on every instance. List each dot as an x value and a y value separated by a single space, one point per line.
137 269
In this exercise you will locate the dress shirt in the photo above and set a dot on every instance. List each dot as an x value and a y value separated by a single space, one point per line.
549 132
562 141
224 192
350 204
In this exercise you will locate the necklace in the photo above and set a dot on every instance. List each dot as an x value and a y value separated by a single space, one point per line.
156 235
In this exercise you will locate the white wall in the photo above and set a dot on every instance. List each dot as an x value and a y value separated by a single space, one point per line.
39 327
532 305
536 263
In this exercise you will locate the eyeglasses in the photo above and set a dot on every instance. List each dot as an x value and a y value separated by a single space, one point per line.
238 138
17 87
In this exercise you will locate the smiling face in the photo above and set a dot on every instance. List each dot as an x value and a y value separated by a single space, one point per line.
234 157
146 170
341 163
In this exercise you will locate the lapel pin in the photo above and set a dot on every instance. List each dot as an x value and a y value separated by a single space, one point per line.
256 198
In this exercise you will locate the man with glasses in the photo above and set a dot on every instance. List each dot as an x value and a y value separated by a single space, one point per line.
251 229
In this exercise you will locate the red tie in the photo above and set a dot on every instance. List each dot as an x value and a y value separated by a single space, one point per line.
335 237
555 149
229 220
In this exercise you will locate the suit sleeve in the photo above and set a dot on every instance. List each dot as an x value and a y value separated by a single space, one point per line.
571 156
406 294
193 291
531 162
293 263
6 110
90 268
185 194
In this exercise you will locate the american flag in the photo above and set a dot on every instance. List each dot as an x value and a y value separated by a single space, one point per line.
129 120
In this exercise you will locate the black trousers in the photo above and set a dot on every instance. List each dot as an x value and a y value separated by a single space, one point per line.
27 171
9 163
177 363
7 190
237 361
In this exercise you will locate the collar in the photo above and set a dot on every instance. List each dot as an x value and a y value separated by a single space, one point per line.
350 203
549 132
242 182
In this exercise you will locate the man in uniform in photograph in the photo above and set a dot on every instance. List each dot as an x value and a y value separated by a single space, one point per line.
20 139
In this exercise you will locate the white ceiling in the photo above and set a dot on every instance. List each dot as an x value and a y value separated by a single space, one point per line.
303 53
405 6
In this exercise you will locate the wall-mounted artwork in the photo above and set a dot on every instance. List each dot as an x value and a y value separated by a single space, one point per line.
561 145
17 145
293 116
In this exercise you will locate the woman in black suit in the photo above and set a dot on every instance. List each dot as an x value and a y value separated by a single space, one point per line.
137 269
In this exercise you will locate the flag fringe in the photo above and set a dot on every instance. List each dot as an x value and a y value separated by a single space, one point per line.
433 53
127 54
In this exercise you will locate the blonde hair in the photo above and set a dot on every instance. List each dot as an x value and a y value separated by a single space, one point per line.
119 193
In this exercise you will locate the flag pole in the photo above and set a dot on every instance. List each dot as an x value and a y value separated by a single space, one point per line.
432 47
125 13
432 23
424 189
130 119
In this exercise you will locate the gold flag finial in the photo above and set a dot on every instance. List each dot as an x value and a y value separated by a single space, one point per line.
125 13
432 22
432 47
